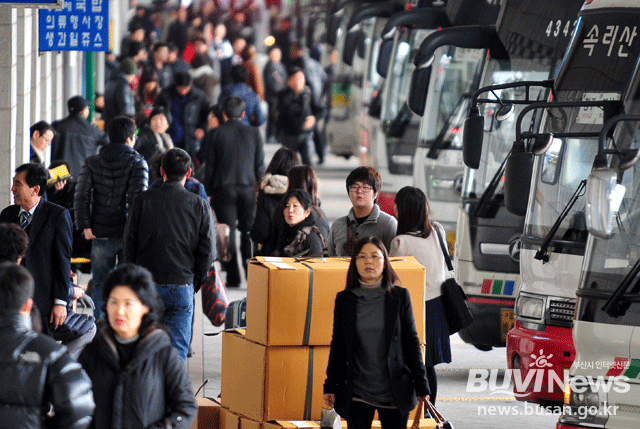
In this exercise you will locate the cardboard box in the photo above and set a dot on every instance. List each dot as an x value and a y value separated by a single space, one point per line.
279 424
291 303
272 383
208 415
229 420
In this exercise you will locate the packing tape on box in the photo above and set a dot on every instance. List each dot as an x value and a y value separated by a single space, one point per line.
307 322
309 394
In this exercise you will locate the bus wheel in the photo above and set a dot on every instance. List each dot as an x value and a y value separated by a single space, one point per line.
483 347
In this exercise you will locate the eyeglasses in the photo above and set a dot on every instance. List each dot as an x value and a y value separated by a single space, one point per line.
358 188
373 258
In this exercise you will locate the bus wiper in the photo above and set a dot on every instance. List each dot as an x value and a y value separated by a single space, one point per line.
482 209
613 307
542 253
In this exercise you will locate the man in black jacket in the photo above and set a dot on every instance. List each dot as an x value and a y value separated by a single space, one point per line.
169 232
35 370
188 110
107 187
234 162
75 138
119 99
296 115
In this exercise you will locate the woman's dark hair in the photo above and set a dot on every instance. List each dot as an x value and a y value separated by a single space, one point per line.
368 175
13 242
282 161
301 195
413 212
148 75
140 281
389 276
303 177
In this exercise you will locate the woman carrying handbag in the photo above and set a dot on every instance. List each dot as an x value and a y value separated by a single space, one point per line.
375 363
417 236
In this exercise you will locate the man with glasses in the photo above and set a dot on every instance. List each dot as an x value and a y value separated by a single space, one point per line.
108 184
365 217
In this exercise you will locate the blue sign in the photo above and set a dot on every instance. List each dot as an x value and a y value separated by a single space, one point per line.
81 25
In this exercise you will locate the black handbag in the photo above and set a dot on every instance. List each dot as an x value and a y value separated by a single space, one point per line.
454 300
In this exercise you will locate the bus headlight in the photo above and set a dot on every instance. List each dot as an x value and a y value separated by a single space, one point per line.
530 307
584 405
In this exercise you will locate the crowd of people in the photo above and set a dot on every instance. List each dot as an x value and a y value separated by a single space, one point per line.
181 151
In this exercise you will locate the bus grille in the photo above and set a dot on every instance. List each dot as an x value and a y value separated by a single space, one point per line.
561 311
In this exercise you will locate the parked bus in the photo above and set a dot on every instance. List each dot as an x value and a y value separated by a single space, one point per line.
521 49
555 233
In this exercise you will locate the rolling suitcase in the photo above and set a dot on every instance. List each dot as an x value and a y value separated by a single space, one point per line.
236 316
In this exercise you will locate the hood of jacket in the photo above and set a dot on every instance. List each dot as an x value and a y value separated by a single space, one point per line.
274 184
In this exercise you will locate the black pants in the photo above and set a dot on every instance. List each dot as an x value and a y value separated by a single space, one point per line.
433 383
236 206
299 144
361 416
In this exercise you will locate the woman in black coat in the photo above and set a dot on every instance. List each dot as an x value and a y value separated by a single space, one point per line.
375 363
298 232
139 381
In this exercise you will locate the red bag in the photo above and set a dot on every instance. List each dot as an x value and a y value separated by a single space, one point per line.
214 297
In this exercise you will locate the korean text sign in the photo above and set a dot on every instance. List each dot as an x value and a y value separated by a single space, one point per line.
81 25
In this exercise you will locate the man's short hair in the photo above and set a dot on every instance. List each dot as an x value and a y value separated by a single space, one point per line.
176 163
77 103
134 48
172 47
16 286
36 175
368 175
41 127
159 45
239 73
13 242
182 78
120 129
295 69
234 107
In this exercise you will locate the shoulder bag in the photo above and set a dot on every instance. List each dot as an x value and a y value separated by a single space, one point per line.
454 300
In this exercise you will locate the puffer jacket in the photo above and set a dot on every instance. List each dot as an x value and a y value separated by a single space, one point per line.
36 371
119 99
272 188
107 186
153 386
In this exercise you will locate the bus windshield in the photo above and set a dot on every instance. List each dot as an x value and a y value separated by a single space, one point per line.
607 262
498 135
399 123
452 85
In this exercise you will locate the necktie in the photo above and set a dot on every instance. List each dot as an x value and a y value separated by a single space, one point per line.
24 219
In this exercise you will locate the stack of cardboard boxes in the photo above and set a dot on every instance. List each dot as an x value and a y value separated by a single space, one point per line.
275 370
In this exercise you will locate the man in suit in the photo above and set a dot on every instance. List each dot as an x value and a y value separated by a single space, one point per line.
234 162
49 229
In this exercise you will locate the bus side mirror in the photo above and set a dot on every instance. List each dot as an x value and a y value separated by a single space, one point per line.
350 45
604 195
418 90
542 143
384 57
518 172
472 134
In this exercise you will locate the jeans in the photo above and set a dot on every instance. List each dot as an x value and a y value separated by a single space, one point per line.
106 253
178 314
361 416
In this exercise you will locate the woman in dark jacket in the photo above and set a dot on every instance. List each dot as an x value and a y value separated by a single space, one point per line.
139 381
375 363
271 188
303 177
298 232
